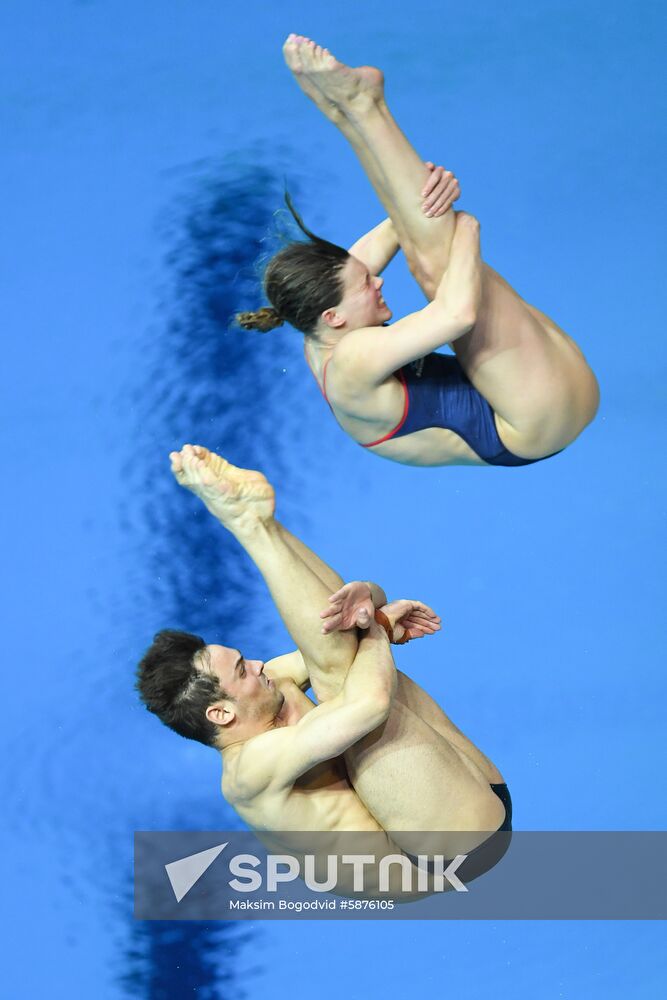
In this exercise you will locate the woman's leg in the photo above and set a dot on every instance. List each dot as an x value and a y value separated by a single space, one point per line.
534 377
353 100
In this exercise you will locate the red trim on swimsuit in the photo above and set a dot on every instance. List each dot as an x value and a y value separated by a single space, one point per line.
406 407
406 402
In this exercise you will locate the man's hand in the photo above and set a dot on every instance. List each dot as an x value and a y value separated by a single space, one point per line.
350 606
410 620
440 192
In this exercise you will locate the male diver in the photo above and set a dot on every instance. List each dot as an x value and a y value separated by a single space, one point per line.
376 753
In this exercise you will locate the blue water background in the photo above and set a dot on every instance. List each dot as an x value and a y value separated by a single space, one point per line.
145 151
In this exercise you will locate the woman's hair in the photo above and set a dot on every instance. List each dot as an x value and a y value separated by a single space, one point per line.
301 281
172 686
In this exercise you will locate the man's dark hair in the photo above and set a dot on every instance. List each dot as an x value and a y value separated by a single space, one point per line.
171 685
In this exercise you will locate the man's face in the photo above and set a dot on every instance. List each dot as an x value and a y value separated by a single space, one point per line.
362 303
256 698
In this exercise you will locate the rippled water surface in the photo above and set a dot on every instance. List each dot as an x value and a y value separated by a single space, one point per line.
147 151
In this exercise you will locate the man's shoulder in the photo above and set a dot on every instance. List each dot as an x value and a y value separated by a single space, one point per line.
253 768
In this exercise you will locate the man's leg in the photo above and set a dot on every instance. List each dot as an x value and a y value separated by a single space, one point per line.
408 692
419 772
406 773
329 577
422 705
243 501
411 778
353 99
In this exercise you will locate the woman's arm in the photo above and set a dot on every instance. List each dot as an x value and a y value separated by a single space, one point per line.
366 358
378 247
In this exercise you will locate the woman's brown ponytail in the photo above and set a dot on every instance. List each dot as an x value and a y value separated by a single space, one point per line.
264 319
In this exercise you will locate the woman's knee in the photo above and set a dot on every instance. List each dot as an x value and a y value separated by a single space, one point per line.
424 272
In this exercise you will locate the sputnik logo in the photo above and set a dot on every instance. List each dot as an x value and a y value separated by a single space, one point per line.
186 871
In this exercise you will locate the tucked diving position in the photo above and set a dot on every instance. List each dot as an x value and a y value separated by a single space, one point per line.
517 389
377 754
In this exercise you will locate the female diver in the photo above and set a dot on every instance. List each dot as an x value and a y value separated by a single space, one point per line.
518 388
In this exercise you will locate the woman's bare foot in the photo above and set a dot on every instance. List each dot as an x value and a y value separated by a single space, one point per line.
292 52
236 497
333 86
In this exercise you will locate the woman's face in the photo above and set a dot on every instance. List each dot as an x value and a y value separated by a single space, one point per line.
362 303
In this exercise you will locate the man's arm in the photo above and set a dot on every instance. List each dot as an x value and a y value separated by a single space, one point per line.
289 666
356 602
352 604
362 705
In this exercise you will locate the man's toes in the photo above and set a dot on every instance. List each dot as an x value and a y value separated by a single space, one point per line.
291 54
190 460
293 58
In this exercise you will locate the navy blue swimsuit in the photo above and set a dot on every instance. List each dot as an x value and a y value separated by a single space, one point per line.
438 393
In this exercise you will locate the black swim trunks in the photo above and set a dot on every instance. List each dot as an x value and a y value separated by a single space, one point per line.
488 854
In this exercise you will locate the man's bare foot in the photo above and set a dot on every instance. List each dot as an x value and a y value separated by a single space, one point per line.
236 497
333 86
